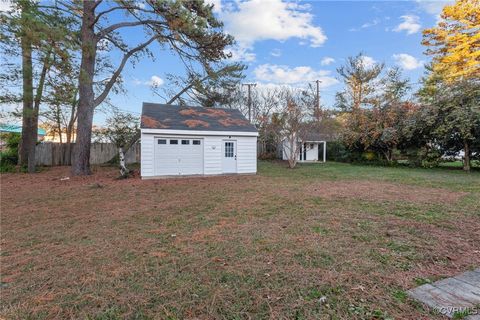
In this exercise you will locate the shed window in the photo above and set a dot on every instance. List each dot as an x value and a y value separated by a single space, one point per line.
196 142
228 149
162 141
185 141
173 141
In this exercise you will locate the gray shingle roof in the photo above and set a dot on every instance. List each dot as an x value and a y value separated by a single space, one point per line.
165 116
320 136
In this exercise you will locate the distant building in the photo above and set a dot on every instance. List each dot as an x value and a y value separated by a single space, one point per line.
13 128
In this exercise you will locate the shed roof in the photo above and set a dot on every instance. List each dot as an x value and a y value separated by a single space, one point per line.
165 116
319 136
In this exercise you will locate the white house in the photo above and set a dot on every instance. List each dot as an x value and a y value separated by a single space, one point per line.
196 141
312 149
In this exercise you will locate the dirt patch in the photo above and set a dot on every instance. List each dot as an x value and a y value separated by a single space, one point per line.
218 247
382 191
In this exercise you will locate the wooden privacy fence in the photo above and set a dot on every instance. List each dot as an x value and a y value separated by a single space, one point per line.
60 154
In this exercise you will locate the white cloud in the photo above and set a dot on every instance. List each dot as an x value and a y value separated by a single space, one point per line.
257 20
241 54
407 61
327 61
276 52
281 74
410 24
368 62
217 5
366 25
5 5
433 7
155 81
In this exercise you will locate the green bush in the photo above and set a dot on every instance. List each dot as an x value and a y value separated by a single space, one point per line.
423 157
9 157
339 152
268 156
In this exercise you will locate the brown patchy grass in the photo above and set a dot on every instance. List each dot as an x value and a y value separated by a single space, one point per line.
383 191
318 242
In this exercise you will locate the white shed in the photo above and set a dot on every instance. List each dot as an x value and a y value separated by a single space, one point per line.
313 148
196 141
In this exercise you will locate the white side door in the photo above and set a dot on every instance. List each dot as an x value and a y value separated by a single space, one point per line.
229 156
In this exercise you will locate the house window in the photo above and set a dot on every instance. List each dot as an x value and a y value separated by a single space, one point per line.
173 141
162 141
185 141
311 145
229 149
197 142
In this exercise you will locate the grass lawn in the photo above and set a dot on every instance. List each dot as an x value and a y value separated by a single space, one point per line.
323 241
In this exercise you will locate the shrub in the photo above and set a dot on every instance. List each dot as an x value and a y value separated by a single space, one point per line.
423 157
9 157
338 151
267 156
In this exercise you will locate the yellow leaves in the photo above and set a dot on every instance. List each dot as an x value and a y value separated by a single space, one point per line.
455 42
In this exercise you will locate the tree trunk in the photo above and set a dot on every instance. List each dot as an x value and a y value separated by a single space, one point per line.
27 142
123 168
36 109
292 157
71 123
388 155
466 158
81 150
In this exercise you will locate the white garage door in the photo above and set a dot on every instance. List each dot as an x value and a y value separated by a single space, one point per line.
178 156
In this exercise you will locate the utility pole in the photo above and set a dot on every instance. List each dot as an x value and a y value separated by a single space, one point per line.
249 86
316 112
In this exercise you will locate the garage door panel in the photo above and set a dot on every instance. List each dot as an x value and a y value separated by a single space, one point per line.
178 159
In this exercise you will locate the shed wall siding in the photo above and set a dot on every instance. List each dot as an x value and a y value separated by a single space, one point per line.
213 146
246 154
147 155
212 155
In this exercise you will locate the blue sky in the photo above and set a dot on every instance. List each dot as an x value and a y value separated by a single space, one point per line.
295 43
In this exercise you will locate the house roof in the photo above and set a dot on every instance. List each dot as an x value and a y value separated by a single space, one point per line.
165 116
13 128
319 136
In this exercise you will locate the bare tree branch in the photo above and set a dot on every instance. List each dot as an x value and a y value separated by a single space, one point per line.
116 26
97 3
100 14
117 72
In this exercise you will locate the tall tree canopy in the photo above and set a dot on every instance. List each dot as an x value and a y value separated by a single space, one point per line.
360 81
188 28
43 38
455 42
